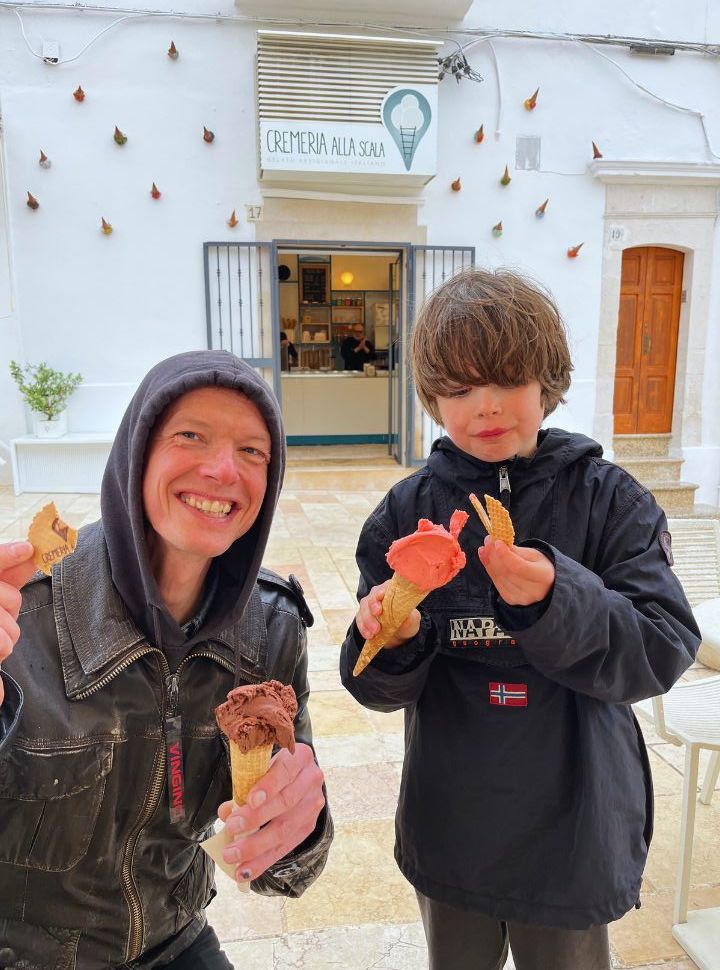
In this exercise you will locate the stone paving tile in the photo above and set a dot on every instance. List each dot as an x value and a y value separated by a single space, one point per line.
361 751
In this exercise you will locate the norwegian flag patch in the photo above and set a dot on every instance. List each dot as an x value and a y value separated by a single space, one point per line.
508 695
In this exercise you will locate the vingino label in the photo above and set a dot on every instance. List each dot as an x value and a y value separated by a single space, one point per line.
477 631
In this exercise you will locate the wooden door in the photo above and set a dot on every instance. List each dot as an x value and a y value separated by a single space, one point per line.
650 291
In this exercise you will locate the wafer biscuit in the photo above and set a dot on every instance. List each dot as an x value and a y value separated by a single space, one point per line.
51 538
496 520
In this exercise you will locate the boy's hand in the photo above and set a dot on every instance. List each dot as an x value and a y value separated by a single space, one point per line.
521 576
371 608
16 567
283 807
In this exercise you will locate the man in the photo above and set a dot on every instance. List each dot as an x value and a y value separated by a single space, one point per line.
287 345
121 657
356 350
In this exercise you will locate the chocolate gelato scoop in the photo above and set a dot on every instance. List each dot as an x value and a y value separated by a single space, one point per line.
259 714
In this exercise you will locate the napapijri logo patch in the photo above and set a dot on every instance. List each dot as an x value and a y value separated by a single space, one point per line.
509 695
477 631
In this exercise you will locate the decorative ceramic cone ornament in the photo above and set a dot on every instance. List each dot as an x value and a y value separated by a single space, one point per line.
79 94
497 229
208 136
531 102
480 134
44 160
119 137
456 185
173 51
505 180
540 211
233 220
574 250
155 191
106 227
596 151
32 202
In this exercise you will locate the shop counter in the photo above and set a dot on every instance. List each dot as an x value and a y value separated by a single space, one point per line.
336 405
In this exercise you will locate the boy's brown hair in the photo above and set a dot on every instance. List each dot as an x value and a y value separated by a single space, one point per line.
489 327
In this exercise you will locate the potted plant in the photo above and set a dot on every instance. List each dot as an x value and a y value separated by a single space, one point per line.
46 392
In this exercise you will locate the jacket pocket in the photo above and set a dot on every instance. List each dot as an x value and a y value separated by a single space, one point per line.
27 947
49 802
649 792
196 889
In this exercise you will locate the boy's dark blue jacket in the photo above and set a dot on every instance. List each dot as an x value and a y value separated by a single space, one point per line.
526 790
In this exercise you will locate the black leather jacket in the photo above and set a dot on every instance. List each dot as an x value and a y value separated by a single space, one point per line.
92 872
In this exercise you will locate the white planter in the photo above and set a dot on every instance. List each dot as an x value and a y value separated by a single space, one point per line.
42 428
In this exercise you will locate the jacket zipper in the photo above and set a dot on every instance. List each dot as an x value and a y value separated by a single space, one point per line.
171 696
170 699
505 489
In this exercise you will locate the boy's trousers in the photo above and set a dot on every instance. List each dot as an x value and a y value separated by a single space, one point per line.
460 940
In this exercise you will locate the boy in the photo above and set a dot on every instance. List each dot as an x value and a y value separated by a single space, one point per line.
525 809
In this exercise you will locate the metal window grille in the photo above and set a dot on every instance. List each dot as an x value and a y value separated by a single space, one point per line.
239 301
432 265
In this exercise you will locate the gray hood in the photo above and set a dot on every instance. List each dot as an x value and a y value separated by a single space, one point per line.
121 505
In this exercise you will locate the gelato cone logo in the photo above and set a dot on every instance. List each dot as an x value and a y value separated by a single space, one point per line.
406 113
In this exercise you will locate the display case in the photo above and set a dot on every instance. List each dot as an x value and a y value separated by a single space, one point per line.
347 309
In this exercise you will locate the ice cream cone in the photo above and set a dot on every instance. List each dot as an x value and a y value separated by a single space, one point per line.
401 598
248 768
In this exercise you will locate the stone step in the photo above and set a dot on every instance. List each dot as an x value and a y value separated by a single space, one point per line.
641 445
652 469
702 511
676 498
341 478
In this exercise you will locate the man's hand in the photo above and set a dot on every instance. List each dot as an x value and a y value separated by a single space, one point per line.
16 567
283 806
521 576
371 608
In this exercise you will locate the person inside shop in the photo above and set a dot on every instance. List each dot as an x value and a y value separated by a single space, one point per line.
356 350
287 346
112 767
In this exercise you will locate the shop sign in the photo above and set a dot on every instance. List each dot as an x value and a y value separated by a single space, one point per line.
402 142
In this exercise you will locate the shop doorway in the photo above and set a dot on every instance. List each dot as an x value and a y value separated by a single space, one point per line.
647 337
341 370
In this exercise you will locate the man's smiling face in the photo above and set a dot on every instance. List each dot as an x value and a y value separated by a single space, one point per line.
205 474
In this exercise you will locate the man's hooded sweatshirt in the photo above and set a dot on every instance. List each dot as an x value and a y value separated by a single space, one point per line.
111 763
526 791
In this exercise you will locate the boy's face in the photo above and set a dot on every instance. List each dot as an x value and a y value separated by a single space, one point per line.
494 423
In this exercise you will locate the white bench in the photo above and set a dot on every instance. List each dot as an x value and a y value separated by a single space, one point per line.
72 463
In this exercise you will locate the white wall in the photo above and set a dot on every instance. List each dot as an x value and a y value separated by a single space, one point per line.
111 306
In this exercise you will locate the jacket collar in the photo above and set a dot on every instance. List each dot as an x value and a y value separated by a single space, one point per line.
96 635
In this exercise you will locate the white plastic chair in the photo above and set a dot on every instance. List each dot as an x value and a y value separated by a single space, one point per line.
689 715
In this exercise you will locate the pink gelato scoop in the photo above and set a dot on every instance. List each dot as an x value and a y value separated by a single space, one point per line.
258 714
431 556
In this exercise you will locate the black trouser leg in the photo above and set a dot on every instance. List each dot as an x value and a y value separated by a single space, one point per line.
460 940
203 954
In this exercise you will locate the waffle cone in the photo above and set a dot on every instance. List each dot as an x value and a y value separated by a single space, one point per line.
496 520
248 768
401 598
502 527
